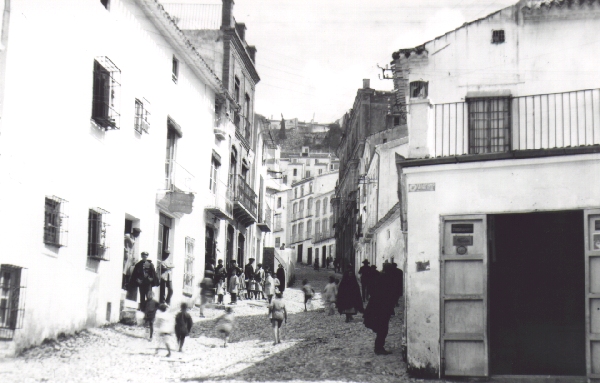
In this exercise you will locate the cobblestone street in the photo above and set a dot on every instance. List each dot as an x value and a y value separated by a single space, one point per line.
315 347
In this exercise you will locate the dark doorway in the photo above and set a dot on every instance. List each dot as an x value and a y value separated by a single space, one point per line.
309 260
299 259
324 256
537 291
229 249
241 247
209 245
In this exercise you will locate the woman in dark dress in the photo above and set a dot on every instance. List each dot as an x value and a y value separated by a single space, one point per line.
380 308
349 301
281 276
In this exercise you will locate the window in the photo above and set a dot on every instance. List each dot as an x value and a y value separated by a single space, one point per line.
317 208
141 120
384 140
55 222
12 303
175 70
170 154
188 267
277 241
308 229
307 174
301 206
237 89
418 89
247 105
489 124
310 205
295 192
164 234
396 121
106 4
294 233
317 227
277 221
302 191
325 206
278 202
320 171
295 172
105 94
310 187
97 226
498 36
325 228
214 174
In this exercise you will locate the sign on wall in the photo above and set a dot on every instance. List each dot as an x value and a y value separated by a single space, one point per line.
421 187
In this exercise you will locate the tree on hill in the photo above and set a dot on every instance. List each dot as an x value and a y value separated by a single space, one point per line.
282 135
333 137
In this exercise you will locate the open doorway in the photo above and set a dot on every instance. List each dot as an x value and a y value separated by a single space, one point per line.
537 294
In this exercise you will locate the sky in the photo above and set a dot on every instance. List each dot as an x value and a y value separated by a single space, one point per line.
312 55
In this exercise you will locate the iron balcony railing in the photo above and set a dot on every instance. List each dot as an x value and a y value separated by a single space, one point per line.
220 201
178 178
244 195
323 235
297 237
297 215
542 121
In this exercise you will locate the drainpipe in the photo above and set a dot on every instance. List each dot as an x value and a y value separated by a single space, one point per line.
3 52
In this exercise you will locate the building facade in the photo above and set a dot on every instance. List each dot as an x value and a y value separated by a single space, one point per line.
373 112
309 225
497 194
214 32
125 156
298 166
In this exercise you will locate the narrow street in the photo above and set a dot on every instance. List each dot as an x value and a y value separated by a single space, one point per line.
315 347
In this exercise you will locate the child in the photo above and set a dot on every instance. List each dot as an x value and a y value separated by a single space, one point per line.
183 325
269 286
330 295
150 312
278 314
242 286
207 294
252 287
166 324
220 290
234 283
224 324
308 293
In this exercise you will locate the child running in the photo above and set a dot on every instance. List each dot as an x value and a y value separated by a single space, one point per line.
278 314
165 323
309 293
224 324
183 325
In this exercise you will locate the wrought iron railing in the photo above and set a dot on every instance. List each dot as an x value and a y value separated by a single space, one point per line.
178 178
245 195
221 198
13 282
542 121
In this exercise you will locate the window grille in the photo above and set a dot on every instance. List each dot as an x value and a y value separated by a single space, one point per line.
419 89
498 36
55 222
188 267
97 238
175 70
489 124
142 116
12 299
106 94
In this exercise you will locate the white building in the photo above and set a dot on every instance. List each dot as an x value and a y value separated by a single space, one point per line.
499 195
310 232
306 164
109 134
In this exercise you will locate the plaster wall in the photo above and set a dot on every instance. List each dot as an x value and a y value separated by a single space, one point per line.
494 187
50 147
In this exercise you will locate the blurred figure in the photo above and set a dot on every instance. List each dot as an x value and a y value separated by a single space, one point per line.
330 295
224 324
349 301
183 325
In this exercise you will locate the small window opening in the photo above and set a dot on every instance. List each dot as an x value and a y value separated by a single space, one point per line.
141 121
55 222
418 89
97 238
498 36
175 69
396 121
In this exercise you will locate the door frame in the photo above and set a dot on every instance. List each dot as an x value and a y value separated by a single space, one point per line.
485 294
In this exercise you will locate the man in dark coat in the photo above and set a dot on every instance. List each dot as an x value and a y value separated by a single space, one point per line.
249 269
281 276
219 272
364 273
144 277
380 308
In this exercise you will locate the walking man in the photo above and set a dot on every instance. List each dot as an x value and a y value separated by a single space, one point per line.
364 273
144 277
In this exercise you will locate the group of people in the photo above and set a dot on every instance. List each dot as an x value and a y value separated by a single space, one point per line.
241 284
381 290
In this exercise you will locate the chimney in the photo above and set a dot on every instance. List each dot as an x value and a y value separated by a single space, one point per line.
366 83
227 14
241 30
252 53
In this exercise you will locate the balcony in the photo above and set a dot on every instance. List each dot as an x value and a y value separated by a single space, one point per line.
264 222
220 203
298 215
323 235
179 188
278 226
537 122
243 130
244 202
297 237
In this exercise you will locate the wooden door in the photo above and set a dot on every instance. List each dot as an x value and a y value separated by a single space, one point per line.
592 292
463 299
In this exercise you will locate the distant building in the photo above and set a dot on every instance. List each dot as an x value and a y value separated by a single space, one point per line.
306 164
